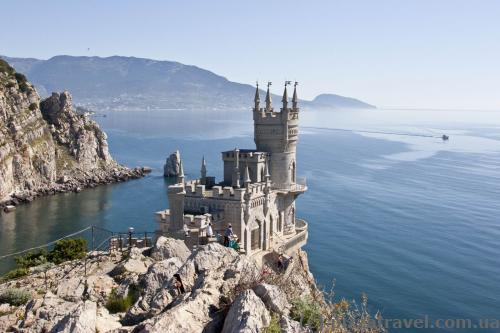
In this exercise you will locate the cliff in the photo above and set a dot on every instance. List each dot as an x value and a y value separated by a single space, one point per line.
45 147
224 292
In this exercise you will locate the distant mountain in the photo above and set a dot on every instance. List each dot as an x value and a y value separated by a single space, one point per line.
129 83
325 101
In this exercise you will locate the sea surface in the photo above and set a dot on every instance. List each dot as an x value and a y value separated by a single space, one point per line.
394 211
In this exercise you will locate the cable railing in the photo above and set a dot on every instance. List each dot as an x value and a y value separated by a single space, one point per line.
100 241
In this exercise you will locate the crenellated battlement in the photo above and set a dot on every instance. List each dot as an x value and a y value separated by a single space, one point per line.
194 190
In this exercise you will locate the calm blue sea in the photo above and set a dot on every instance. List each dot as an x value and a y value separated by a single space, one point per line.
412 221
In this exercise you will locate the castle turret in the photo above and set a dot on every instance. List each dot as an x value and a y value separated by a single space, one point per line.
277 133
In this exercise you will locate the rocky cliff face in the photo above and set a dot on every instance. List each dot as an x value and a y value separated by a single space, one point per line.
224 292
45 147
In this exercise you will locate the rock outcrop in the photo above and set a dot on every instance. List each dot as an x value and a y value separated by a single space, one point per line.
224 292
45 147
172 165
168 247
248 314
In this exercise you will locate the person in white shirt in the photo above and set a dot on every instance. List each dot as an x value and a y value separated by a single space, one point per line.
210 232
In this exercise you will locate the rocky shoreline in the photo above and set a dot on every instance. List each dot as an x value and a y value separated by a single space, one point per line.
64 185
46 147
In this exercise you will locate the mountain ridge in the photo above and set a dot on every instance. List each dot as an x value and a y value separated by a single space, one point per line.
124 83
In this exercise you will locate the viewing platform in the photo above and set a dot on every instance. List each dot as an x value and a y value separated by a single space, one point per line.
290 243
299 187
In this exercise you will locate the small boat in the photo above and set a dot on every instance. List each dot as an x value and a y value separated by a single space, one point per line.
445 137
9 208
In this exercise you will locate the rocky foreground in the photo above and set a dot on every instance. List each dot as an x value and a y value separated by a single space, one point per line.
47 148
225 292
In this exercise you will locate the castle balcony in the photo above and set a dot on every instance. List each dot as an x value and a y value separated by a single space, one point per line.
298 187
288 244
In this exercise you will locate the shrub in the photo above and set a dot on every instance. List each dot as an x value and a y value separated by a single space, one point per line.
15 296
307 312
5 67
68 249
32 259
33 106
14 274
116 304
20 78
23 86
274 325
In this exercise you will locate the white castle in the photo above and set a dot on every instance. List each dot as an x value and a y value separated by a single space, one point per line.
257 195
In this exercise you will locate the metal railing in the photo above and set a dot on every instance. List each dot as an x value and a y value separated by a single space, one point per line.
99 241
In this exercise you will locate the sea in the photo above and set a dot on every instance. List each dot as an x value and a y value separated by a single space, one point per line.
395 212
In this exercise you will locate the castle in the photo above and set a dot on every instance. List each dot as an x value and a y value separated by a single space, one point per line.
257 195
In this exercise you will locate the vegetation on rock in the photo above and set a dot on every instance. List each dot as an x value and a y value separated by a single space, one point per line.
306 311
14 296
64 250
32 259
14 274
116 303
274 326
68 249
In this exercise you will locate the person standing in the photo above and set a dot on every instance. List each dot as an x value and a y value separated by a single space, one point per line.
210 232
228 234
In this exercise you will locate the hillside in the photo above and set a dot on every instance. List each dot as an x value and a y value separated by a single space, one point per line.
45 147
128 83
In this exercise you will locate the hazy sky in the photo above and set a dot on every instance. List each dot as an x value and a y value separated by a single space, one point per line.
400 53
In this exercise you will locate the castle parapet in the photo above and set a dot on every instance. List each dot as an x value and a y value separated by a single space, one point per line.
227 191
200 190
217 191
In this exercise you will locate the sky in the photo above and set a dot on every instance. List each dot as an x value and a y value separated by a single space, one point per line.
391 53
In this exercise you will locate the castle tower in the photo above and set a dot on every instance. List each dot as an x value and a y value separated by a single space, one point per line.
277 133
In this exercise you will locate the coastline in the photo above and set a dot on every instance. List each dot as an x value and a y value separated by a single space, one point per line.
76 184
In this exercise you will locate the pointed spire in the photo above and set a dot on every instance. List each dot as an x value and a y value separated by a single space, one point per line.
180 176
267 176
257 94
246 178
285 96
236 171
295 99
236 158
203 168
268 98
